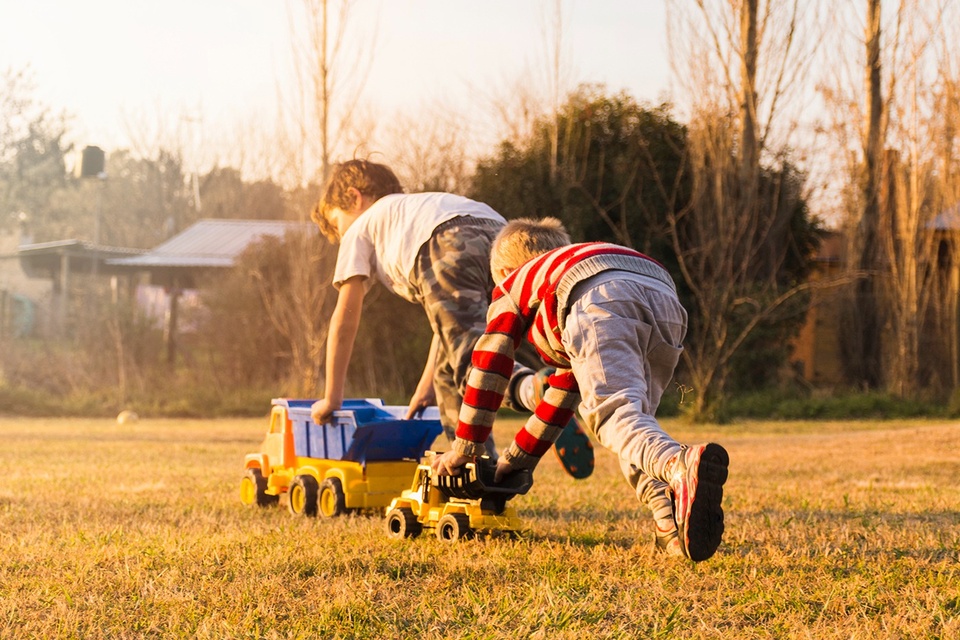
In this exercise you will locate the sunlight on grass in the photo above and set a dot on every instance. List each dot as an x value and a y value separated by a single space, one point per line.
834 530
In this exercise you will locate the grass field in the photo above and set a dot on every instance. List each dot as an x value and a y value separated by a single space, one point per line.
834 530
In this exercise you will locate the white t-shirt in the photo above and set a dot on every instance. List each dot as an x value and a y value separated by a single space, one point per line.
386 238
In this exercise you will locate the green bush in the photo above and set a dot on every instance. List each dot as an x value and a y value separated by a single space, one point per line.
26 402
849 405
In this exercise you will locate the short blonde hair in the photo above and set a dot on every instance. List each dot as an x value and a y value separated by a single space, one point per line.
523 239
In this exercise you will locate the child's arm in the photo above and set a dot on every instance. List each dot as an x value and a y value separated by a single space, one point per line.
341 335
547 422
492 365
425 395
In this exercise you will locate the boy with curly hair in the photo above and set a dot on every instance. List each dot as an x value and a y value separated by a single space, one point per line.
428 248
608 318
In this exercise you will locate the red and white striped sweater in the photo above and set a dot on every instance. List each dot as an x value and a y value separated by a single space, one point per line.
533 301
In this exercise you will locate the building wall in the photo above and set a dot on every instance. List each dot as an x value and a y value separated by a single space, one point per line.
24 301
816 350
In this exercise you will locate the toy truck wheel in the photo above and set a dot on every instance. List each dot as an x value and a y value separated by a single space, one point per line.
303 496
401 523
253 490
453 527
332 501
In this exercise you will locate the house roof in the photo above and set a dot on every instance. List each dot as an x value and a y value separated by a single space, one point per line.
44 259
210 243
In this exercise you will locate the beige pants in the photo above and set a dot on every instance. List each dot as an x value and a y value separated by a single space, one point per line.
623 334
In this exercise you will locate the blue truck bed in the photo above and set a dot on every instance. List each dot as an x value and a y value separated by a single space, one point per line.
361 431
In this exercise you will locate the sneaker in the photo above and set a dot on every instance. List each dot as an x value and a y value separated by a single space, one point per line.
540 383
668 543
697 484
573 448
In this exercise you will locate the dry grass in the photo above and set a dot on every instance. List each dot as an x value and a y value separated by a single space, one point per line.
839 530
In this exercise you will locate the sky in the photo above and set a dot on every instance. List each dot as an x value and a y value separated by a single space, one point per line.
107 63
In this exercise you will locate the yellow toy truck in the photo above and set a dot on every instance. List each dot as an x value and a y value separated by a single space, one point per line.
458 507
361 460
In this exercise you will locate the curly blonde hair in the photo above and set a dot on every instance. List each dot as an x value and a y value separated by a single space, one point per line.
369 178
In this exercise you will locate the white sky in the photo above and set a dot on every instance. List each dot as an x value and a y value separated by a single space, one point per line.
105 62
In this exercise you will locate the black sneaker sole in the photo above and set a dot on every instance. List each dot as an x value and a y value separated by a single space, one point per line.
705 524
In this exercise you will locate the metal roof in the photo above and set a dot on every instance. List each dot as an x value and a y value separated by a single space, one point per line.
211 243
43 259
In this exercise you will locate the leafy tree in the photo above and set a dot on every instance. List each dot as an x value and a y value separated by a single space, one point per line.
618 166
625 174
224 194
32 153
144 200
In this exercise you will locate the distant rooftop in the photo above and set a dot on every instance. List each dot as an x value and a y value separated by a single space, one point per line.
210 243
45 259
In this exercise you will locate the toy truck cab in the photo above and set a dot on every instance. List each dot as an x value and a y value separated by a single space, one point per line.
362 459
457 507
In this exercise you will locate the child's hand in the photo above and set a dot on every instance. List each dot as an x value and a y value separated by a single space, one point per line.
449 463
503 468
322 410
421 401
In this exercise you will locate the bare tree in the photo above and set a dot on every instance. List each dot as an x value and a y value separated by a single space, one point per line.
429 151
315 124
519 103
902 319
947 105
553 33
740 65
291 280
330 76
913 190
862 334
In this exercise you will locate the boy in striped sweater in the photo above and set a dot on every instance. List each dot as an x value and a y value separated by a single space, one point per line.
608 318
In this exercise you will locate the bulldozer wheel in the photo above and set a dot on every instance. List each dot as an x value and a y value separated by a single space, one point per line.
401 523
453 527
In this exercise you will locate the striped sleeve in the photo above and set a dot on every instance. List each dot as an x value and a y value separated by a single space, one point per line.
545 425
492 365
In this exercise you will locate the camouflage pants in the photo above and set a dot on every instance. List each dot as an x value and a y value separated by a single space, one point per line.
453 275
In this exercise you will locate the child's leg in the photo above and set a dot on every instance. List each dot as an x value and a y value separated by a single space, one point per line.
623 338
657 497
453 273
520 395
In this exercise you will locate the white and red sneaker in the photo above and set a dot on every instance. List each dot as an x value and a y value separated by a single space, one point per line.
696 480
667 542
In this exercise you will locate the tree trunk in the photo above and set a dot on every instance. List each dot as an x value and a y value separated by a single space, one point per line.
749 156
863 336
324 99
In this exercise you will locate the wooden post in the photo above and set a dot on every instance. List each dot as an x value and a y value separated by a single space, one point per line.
63 304
170 326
